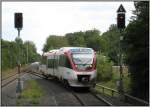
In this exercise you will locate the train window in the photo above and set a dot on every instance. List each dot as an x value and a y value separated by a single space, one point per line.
50 63
67 64
64 61
61 62
55 63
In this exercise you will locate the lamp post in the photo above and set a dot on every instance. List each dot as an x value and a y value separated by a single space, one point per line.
121 25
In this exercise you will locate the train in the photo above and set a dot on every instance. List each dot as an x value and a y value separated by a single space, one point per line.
74 66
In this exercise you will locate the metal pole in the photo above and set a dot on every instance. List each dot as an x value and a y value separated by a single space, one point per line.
18 51
19 84
10 55
27 51
120 62
18 25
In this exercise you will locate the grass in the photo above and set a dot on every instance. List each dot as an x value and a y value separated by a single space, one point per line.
31 93
115 78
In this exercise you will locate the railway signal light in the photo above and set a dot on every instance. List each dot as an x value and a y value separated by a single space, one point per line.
18 20
121 21
121 17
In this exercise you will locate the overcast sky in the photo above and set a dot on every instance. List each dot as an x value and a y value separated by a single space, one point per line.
41 19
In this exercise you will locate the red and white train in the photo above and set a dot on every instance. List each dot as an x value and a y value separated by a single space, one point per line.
75 66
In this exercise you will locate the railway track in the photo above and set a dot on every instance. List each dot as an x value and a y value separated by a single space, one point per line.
90 99
102 99
36 74
84 98
9 76
6 81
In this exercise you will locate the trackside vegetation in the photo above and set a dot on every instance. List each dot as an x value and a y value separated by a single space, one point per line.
31 94
104 68
9 53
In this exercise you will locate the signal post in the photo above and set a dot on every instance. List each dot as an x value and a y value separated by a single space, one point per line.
121 25
18 20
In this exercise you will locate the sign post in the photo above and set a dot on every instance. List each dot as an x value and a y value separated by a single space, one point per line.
18 20
121 25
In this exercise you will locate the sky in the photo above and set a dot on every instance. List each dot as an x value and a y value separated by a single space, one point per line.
41 19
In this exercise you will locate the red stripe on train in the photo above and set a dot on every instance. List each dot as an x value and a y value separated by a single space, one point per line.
73 65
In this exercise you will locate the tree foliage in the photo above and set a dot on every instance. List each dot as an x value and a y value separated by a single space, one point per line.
76 39
12 52
110 43
89 38
30 50
54 42
137 49
104 68
92 38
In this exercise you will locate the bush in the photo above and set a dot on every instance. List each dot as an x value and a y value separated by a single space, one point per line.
104 68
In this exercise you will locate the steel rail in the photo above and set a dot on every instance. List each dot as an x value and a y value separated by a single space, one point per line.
36 74
102 99
3 79
6 82
73 93
78 98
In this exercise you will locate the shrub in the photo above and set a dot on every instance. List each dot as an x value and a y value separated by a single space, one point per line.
104 68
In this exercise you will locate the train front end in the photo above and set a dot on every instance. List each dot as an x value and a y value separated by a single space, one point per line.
84 67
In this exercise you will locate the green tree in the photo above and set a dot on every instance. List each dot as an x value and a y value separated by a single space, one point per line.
137 49
5 54
10 53
30 52
92 38
110 41
104 68
55 42
76 39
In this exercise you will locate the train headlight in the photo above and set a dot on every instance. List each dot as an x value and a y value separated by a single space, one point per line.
90 65
76 66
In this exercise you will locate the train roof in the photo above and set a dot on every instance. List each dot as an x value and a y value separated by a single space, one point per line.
69 48
76 49
50 52
66 49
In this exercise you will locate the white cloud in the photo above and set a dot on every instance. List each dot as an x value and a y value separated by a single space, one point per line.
42 19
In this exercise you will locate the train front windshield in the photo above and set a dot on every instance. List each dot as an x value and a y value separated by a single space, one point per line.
83 61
